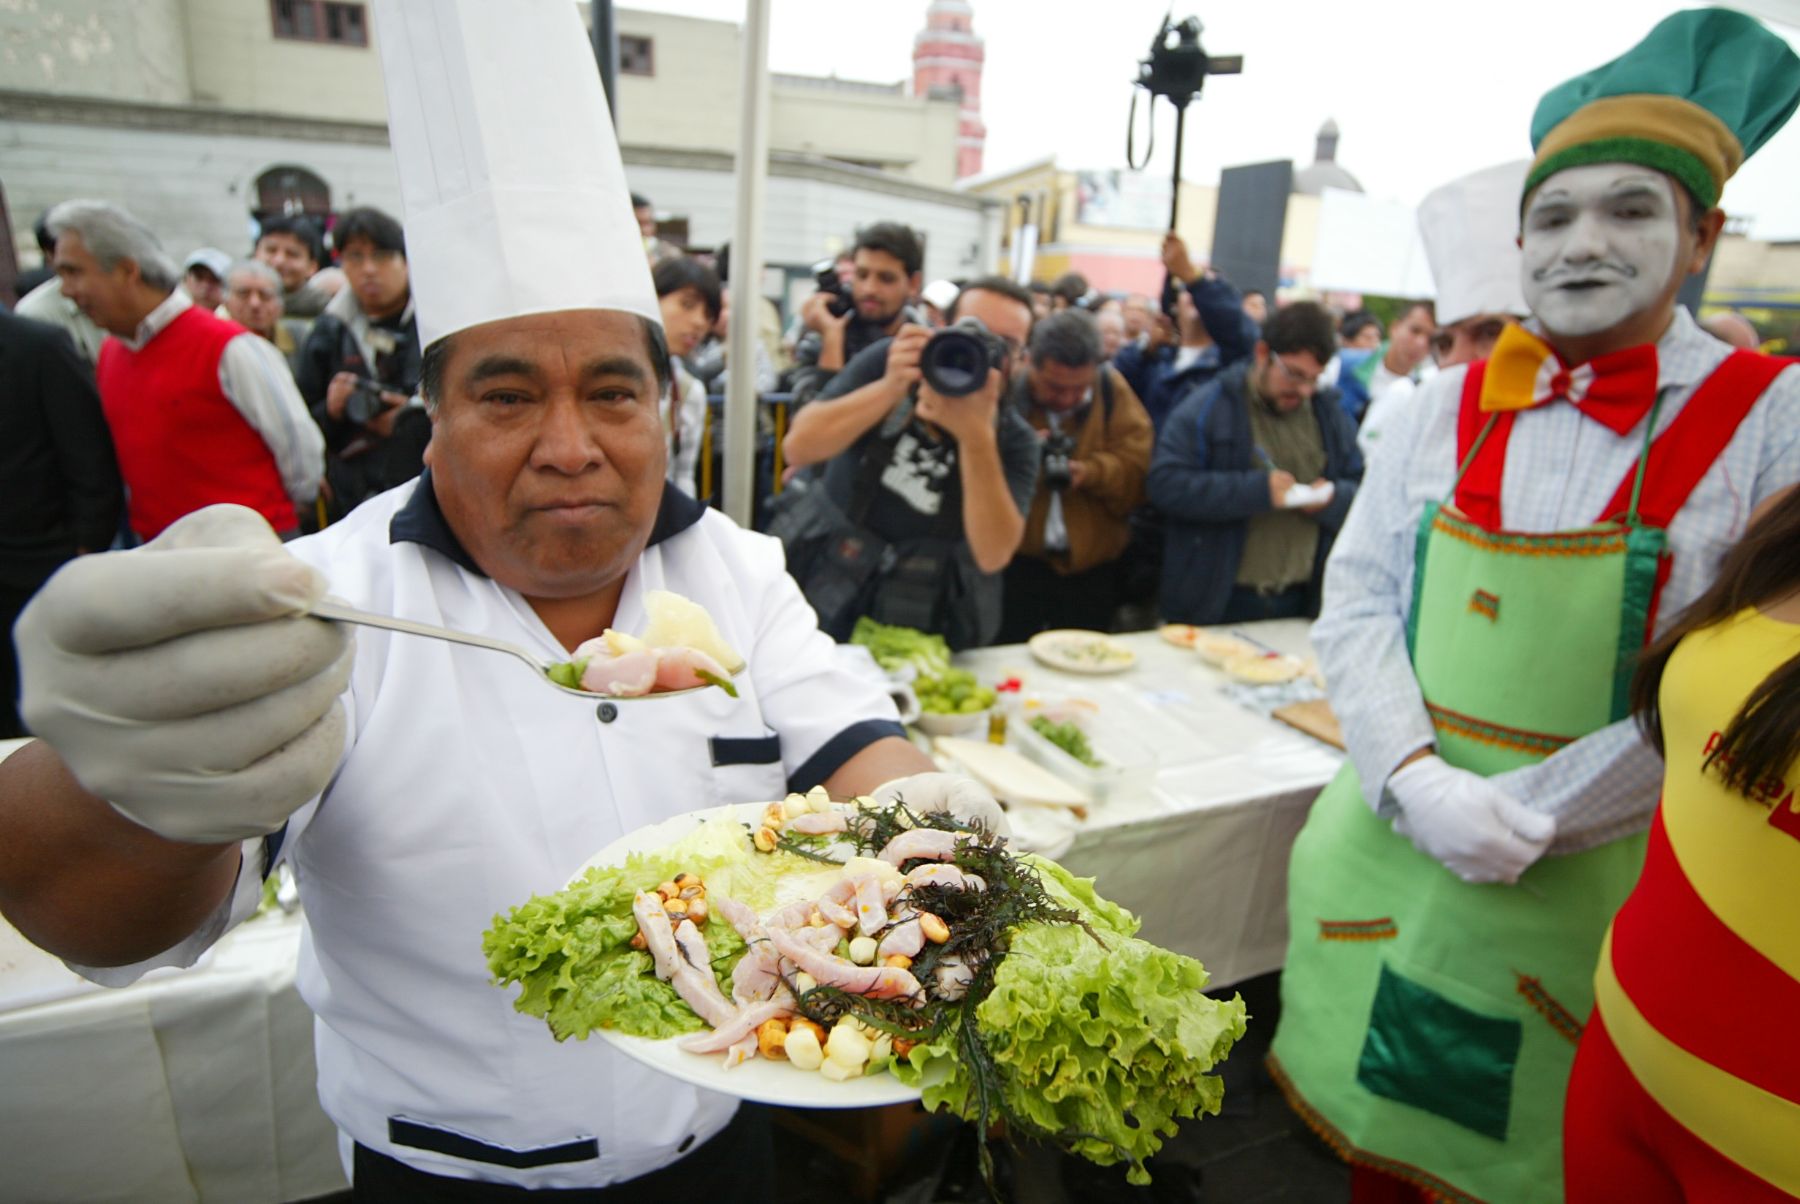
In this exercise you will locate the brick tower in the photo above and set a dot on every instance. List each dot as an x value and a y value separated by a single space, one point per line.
947 59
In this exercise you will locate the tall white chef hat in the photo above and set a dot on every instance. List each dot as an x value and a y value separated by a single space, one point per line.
1470 228
510 174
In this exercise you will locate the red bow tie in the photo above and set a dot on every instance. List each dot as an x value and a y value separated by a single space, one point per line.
1616 389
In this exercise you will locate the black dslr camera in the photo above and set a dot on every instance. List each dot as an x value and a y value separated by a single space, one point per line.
956 359
825 275
1059 448
365 401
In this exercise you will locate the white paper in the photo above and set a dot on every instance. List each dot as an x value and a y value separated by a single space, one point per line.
1307 495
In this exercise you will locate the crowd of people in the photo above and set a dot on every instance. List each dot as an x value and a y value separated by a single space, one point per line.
1493 501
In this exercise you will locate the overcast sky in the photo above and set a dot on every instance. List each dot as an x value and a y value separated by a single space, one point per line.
1423 90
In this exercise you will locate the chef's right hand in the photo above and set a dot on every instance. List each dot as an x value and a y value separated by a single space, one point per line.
1478 831
182 682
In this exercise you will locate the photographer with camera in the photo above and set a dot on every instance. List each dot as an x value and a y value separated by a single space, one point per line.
359 367
927 476
841 320
1096 441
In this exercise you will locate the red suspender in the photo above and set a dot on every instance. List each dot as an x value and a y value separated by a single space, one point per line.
1478 491
1684 452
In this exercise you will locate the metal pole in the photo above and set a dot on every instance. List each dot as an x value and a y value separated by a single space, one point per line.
1175 190
606 53
746 267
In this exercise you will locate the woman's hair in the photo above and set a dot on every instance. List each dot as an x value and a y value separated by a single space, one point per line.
1763 738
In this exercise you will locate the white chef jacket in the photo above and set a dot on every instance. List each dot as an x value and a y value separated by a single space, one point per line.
467 786
1561 469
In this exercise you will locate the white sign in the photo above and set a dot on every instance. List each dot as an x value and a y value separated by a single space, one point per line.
1128 200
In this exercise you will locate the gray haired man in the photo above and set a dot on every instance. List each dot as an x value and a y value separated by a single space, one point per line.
240 433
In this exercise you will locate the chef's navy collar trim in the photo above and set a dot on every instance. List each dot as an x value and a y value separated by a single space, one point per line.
839 749
422 521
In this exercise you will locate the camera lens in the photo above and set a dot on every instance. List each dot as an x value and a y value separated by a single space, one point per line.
954 362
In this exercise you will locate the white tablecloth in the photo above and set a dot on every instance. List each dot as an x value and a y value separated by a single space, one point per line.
192 1084
1197 844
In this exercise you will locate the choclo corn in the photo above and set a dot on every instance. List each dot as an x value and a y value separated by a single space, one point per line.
811 1026
676 907
898 961
817 799
774 815
804 982
846 1045
668 890
697 911
764 840
862 950
935 930
802 1047
884 1045
838 1071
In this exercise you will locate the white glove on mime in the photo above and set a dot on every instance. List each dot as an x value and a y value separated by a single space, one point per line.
1478 831
181 681
963 798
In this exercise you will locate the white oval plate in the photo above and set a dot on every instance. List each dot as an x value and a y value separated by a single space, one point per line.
759 1079
1063 649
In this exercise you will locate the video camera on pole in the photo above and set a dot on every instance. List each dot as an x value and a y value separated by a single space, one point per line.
1176 69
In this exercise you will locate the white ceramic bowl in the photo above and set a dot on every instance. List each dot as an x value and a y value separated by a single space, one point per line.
962 723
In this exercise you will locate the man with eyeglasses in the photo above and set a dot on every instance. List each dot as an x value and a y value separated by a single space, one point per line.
1255 473
359 367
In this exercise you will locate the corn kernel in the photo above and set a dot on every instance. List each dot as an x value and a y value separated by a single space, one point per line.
698 912
846 1045
638 941
764 840
862 950
668 890
804 982
839 1072
771 1037
812 1026
884 1045
903 1046
675 908
801 1045
935 930
898 961
817 799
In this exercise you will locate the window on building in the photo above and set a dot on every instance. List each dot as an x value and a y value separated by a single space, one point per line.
321 21
637 56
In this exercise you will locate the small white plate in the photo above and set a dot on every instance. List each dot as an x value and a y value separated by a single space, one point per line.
759 1079
1076 651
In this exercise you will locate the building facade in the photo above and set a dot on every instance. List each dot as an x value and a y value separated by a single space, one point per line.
202 115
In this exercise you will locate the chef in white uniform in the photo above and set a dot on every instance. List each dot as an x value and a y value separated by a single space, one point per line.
198 728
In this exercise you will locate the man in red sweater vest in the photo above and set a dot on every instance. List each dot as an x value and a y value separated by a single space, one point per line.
201 410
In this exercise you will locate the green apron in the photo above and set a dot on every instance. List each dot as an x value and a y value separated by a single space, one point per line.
1428 1025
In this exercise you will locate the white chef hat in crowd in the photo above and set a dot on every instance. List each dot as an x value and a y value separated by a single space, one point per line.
514 193
1470 228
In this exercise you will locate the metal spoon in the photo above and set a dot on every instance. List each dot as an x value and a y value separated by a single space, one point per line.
337 612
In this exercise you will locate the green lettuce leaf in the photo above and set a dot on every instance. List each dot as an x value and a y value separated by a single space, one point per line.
571 951
1104 1047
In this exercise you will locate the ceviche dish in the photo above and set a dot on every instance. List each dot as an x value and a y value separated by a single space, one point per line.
844 939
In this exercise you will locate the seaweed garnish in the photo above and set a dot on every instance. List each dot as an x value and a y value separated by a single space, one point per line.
981 923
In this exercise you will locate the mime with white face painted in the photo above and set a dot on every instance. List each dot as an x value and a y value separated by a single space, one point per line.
1512 548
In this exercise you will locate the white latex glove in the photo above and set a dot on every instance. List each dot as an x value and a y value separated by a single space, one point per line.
1478 831
180 682
963 798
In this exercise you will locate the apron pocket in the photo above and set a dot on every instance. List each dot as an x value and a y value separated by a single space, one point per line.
1429 1052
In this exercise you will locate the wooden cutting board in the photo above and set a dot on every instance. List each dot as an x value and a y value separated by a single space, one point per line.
1313 717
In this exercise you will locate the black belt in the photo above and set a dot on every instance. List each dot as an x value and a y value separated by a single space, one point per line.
736 1164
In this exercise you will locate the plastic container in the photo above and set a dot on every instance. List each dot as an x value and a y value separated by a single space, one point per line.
1095 782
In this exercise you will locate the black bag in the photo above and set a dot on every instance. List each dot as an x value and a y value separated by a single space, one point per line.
845 570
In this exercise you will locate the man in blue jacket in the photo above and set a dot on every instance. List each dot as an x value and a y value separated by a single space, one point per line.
1213 329
1254 475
